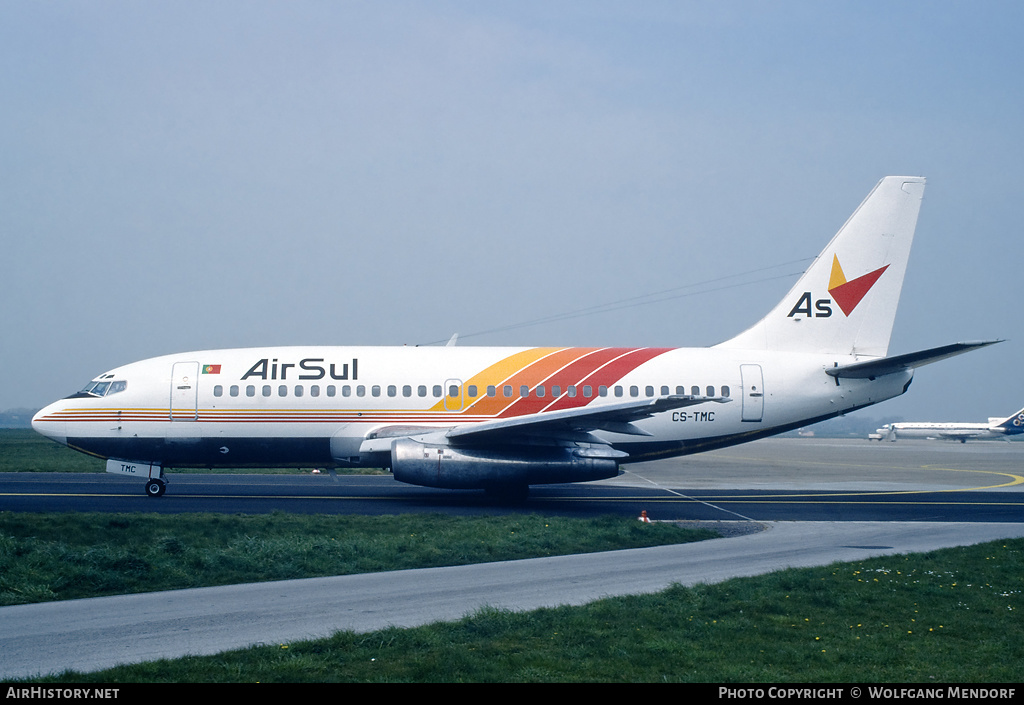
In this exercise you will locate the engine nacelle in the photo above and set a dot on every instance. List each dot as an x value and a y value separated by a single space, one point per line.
436 465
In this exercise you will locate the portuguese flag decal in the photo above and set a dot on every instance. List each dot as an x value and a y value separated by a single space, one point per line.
211 369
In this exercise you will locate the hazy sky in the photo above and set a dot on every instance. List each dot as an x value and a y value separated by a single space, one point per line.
188 175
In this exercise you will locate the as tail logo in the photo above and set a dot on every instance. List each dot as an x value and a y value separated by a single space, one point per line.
847 294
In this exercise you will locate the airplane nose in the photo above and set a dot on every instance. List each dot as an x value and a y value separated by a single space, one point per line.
46 424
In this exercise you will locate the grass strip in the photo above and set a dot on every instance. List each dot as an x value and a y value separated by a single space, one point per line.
948 616
24 450
64 556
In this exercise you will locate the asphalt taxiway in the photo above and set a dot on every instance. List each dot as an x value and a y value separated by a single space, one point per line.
771 480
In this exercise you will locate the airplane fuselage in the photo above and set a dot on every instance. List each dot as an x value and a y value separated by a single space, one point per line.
316 406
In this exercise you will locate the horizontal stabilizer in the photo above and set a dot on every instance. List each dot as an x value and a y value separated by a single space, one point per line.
899 363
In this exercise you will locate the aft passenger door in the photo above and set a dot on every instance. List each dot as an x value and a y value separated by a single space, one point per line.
753 392
184 403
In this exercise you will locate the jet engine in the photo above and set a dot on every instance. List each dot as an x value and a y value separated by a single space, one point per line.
447 467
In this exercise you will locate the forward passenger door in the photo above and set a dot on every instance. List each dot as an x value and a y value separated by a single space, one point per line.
184 402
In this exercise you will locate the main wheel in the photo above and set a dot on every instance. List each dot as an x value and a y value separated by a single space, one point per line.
156 488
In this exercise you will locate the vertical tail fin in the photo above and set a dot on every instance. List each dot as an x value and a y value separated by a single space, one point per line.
1013 424
846 301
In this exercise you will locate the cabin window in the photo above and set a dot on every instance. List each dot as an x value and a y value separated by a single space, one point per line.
282 391
524 391
438 392
298 390
539 390
664 390
507 391
422 390
250 391
725 390
695 391
602 391
711 390
491 391
618 391
407 390
588 391
361 390
266 390
314 390
218 391
649 390
234 390
392 390
634 391
471 390
572 390
680 390
375 390
556 390
332 390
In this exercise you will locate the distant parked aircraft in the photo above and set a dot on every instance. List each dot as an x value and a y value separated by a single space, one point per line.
997 428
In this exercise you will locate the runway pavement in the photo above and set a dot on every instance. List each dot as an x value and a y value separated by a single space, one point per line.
771 480
826 464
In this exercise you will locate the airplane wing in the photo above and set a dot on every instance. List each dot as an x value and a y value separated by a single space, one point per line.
616 418
898 363
560 426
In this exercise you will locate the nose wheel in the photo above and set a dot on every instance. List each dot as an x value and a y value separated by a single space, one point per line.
156 488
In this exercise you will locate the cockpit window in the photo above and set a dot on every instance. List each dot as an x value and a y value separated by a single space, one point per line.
98 389
102 388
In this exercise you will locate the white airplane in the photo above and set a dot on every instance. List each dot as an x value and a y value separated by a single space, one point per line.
996 429
501 419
